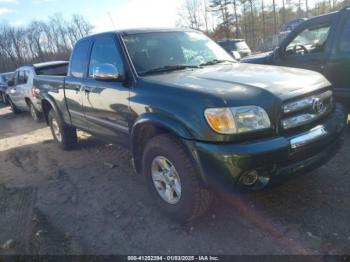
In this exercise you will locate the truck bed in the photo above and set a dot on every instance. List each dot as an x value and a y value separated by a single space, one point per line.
49 83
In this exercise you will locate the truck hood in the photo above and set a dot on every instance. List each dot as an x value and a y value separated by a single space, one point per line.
244 81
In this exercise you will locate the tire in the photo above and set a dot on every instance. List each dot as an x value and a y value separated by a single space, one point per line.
193 200
34 113
4 99
64 135
14 109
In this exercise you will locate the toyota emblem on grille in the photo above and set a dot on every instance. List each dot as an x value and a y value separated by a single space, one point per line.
317 105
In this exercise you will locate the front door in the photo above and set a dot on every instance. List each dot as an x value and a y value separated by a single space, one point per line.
74 84
14 95
338 68
307 48
17 92
105 103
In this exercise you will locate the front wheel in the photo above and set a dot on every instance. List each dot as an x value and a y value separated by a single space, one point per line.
65 136
172 179
14 108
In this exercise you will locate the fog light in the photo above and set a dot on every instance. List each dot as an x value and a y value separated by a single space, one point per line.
250 178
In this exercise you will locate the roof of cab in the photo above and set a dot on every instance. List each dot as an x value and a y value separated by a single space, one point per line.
152 30
140 31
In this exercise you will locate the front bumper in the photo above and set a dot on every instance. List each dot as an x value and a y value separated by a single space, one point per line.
223 165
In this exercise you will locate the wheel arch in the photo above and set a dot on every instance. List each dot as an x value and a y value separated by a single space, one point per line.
151 125
47 104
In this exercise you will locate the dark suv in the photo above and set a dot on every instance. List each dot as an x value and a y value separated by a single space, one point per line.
321 44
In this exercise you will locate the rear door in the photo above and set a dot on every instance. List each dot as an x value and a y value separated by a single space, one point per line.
106 103
74 83
16 92
26 87
338 68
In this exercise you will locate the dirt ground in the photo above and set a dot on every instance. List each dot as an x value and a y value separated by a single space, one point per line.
56 202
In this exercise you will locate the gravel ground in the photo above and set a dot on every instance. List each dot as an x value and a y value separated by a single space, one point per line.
56 202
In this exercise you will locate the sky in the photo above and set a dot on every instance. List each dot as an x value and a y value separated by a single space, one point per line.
104 15
101 13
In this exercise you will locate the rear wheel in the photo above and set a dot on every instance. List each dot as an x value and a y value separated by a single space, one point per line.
64 135
172 179
34 113
14 109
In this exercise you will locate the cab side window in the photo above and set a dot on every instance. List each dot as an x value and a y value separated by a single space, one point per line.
105 51
16 78
22 77
344 44
311 40
80 59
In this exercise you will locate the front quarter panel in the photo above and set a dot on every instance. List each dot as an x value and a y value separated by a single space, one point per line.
182 110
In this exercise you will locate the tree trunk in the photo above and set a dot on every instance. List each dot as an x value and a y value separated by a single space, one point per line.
263 20
236 18
274 17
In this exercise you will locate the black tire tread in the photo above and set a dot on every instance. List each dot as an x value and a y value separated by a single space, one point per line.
39 116
14 109
204 197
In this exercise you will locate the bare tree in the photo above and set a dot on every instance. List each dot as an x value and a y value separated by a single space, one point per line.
235 6
191 12
40 41
274 16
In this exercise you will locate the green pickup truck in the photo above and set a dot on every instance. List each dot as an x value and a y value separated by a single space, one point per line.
194 119
321 44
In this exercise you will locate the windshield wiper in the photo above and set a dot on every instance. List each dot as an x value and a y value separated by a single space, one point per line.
168 68
215 61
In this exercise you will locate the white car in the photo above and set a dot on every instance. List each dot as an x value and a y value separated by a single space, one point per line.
21 92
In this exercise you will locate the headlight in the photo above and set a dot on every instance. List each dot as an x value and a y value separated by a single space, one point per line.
237 120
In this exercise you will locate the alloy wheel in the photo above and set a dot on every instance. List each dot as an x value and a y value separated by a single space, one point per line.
166 180
33 113
56 130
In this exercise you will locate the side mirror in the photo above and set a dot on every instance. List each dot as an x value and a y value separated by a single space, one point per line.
277 53
10 83
106 72
236 55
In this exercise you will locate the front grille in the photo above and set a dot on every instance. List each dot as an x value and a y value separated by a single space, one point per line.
306 110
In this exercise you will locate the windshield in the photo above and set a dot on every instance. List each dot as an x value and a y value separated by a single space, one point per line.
150 51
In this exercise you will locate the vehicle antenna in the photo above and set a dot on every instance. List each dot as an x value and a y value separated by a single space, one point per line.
110 17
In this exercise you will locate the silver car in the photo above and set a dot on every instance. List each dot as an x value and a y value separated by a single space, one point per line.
21 94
